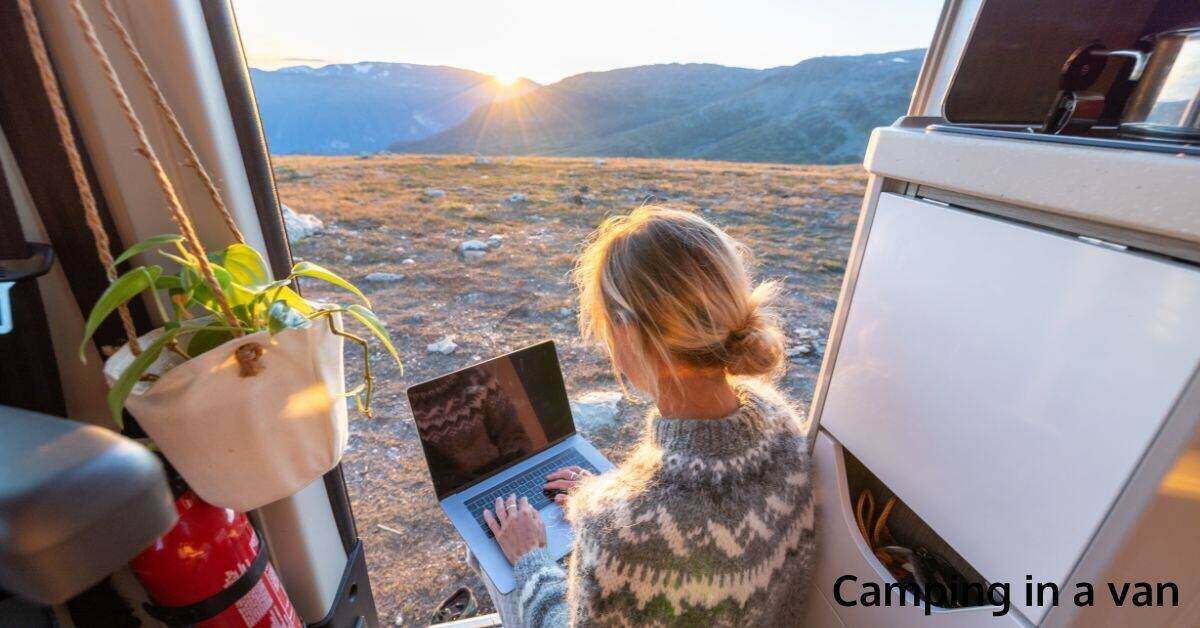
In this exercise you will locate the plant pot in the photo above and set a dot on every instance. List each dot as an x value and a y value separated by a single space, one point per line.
245 440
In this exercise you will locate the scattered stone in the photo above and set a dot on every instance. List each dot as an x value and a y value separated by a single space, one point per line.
464 188
445 346
383 277
408 260
565 312
805 341
495 240
300 226
517 197
799 350
480 160
599 163
348 258
399 621
434 193
473 255
472 245
596 409
584 189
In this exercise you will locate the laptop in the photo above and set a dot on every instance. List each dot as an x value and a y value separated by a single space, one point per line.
495 429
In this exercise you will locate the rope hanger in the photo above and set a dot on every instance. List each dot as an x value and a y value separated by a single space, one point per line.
144 148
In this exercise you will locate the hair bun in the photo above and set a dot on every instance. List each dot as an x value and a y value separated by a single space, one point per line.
757 348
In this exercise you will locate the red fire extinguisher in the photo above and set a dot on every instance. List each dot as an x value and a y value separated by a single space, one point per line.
211 571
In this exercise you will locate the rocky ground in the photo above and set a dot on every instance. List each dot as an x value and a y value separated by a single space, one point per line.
467 258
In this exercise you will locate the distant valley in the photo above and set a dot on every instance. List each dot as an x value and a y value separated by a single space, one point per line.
820 110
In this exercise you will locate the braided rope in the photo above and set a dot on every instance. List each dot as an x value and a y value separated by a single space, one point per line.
172 121
63 123
186 229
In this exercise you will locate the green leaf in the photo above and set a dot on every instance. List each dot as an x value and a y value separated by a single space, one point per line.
206 340
244 264
148 243
372 322
289 296
193 283
124 385
123 289
168 282
309 269
282 316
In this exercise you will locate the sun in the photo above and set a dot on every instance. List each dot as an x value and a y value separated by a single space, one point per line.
506 79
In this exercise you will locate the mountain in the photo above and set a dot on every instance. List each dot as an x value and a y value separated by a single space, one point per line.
820 110
351 108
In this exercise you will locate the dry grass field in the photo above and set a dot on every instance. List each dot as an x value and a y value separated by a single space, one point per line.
408 215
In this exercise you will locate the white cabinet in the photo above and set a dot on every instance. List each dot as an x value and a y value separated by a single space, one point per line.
1004 380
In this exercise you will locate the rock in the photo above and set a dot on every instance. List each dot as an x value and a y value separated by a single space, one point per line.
408 260
596 409
474 255
805 333
348 258
494 241
445 346
480 160
472 245
599 163
799 350
300 226
517 197
399 621
434 193
805 342
383 277
584 189
565 312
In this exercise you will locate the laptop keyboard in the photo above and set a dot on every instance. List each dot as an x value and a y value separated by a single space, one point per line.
529 484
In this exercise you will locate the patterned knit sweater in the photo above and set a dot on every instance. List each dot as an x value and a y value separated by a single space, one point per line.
709 523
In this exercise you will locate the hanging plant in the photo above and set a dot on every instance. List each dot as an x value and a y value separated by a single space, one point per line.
243 387
194 320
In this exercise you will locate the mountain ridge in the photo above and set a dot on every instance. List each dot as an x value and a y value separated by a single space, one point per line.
820 110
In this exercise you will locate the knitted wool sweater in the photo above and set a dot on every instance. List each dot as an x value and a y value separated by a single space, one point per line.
710 522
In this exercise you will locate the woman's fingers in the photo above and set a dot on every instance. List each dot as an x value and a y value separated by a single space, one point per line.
511 505
560 499
491 522
501 511
567 473
560 485
526 508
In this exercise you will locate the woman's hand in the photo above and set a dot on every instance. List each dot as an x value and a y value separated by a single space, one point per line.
564 481
517 526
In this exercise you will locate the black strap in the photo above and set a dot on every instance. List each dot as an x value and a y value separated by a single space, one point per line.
213 606
29 371
28 123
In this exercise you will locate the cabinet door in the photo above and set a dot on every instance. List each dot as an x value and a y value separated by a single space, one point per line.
1004 380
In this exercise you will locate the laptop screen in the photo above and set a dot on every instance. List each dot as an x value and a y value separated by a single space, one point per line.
481 419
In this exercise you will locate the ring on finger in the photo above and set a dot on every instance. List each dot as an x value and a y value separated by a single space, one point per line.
574 475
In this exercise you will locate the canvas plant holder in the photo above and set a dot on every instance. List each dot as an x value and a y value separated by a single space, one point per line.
252 420
243 441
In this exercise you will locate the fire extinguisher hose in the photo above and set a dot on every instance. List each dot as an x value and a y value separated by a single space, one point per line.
211 607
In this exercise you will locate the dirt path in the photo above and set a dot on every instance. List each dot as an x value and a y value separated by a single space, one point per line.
407 216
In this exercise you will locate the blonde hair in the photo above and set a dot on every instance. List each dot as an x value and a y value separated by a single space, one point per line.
680 289
680 292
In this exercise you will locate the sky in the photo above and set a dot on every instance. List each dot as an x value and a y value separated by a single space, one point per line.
547 40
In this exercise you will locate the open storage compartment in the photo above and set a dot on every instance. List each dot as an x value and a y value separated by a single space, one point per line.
844 554
887 525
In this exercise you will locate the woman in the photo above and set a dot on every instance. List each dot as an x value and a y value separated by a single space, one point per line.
710 520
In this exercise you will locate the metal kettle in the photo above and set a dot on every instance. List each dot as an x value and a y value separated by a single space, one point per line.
1164 106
